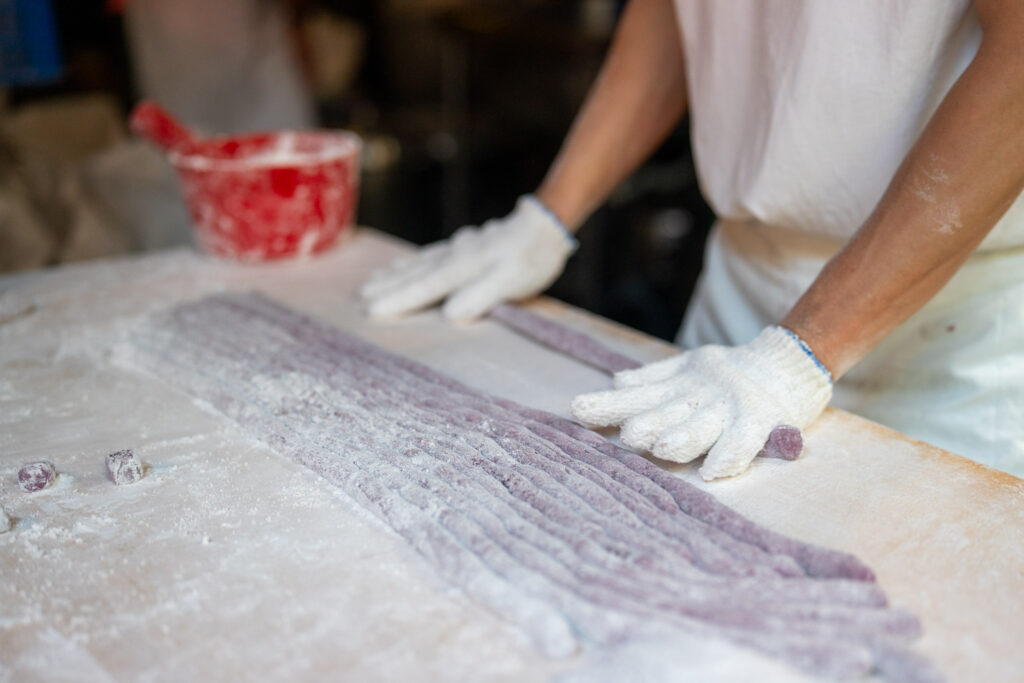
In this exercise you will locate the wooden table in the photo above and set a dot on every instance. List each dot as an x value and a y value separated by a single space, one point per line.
228 561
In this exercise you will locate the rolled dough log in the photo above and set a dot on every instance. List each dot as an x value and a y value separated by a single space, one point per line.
582 347
574 539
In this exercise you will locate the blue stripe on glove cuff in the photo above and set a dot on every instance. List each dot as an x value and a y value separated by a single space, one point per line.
569 237
807 350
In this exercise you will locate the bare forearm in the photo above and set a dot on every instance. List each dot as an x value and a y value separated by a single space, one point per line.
638 97
960 177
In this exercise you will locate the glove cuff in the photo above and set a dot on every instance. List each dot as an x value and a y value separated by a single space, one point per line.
808 380
542 215
806 349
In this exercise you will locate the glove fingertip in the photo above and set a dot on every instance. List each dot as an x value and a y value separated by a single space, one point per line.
713 469
635 437
396 304
657 371
688 440
464 308
590 409
369 289
707 475
623 379
381 309
734 452
580 408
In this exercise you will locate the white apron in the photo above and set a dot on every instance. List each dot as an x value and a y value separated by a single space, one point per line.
801 111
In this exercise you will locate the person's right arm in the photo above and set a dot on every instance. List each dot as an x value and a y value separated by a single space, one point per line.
638 98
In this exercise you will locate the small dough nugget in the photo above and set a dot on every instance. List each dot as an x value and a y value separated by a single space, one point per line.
36 476
124 467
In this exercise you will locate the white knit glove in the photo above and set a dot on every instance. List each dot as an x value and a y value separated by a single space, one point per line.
504 260
723 401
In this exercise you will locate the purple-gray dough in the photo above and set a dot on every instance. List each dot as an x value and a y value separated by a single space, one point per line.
36 476
784 443
560 531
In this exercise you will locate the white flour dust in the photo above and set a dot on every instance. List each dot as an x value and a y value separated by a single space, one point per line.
225 560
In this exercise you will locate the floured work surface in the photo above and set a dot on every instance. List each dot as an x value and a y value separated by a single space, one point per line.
223 562
546 523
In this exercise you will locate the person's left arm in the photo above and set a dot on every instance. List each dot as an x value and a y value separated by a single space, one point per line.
960 177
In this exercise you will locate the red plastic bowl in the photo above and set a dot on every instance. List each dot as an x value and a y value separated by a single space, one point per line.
270 195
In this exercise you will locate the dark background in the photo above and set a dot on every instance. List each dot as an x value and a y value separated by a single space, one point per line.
463 104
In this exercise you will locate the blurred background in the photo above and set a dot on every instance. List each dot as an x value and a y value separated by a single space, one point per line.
462 105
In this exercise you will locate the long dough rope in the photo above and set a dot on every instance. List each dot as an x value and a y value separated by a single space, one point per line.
785 442
546 523
558 337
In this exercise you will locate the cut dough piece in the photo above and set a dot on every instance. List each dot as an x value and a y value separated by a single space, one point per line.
785 443
36 476
124 467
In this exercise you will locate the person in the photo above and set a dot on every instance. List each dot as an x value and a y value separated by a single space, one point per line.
865 162
222 67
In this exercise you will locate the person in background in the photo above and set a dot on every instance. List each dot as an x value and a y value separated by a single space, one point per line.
865 162
222 67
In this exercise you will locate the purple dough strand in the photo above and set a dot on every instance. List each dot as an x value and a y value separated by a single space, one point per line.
195 347
818 562
873 597
547 523
821 562
562 339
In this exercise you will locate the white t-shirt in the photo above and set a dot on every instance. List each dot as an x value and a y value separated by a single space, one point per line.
802 110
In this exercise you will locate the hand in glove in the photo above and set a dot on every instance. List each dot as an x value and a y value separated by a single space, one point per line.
723 401
507 259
